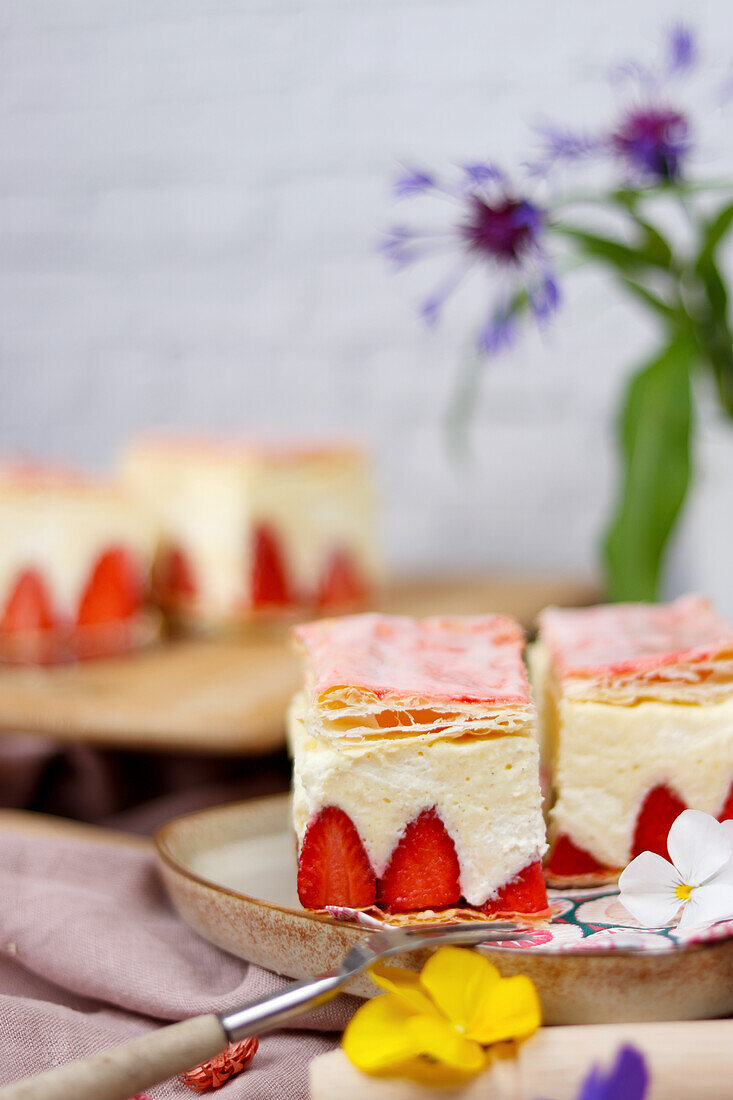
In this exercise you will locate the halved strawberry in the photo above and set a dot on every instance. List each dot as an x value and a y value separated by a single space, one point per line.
423 872
727 812
341 584
333 868
29 605
567 860
269 577
114 591
526 893
174 575
656 816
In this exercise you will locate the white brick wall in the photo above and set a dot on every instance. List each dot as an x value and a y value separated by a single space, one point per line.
190 193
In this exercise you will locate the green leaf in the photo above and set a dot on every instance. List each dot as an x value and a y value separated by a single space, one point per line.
716 291
656 248
655 427
716 343
669 313
628 197
651 251
710 311
617 253
705 266
715 230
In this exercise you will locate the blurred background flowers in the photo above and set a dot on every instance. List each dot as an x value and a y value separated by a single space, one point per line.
681 285
190 201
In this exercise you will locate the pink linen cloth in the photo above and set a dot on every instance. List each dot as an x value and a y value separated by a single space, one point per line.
92 954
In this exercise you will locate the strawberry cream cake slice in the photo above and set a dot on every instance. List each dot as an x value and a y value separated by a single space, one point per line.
637 708
416 767
75 566
251 530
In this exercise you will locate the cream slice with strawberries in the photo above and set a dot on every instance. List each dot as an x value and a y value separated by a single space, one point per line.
251 530
416 766
637 725
75 561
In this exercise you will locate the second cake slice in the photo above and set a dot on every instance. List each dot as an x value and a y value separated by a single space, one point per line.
416 772
637 706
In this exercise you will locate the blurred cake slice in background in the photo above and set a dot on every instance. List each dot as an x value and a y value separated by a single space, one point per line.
252 531
637 716
75 567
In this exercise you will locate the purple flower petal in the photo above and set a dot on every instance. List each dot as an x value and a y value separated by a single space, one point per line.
652 138
413 181
544 298
682 49
627 1079
653 142
593 1086
403 245
526 215
399 246
479 174
432 306
561 144
497 333
504 231
492 226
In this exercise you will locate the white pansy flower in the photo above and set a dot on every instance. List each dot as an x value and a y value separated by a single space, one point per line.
699 880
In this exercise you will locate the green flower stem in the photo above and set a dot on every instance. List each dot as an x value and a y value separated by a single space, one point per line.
688 295
654 441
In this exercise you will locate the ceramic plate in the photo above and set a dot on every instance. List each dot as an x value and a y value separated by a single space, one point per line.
231 874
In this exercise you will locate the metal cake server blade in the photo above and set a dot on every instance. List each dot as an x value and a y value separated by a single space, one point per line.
271 1012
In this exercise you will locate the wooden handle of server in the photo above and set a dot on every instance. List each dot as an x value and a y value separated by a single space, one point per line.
123 1071
684 1059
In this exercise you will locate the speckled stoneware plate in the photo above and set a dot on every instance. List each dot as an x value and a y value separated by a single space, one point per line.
231 874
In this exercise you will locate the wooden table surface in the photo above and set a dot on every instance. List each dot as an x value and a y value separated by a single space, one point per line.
32 824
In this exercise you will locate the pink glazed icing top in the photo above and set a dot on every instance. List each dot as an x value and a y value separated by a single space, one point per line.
463 659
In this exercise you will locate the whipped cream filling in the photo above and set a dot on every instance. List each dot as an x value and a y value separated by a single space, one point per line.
607 758
210 508
486 791
62 533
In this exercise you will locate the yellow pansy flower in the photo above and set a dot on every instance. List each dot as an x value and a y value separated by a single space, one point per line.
434 1026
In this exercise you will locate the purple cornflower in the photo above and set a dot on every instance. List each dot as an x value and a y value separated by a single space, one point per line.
651 137
627 1079
491 225
504 230
653 141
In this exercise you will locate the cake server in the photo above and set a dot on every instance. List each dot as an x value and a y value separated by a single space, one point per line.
119 1073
